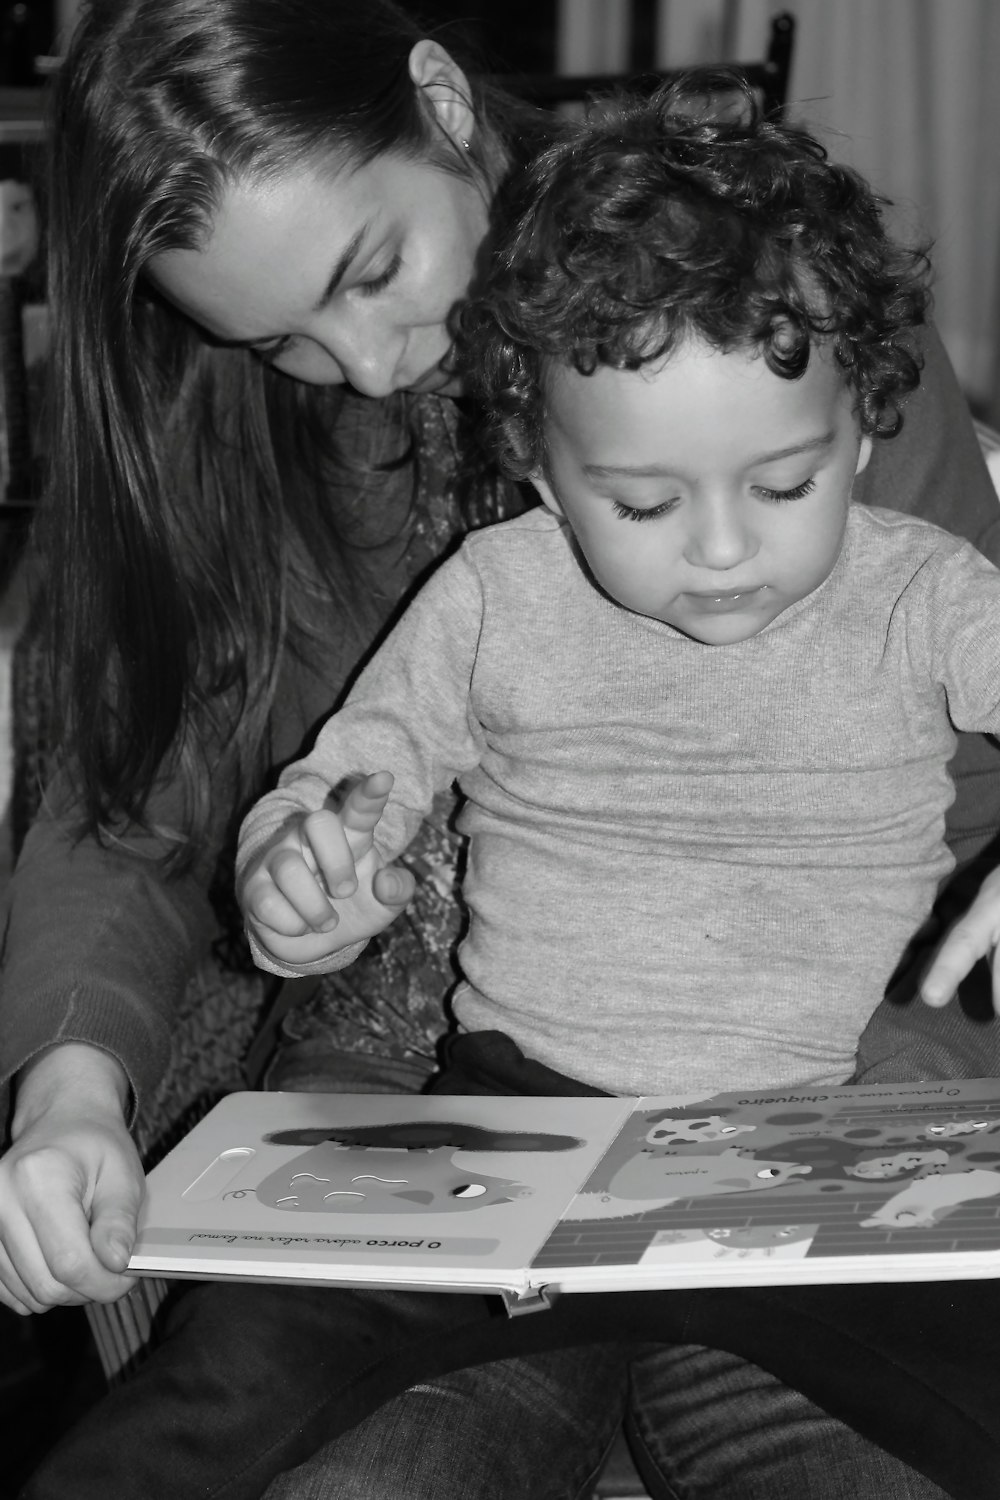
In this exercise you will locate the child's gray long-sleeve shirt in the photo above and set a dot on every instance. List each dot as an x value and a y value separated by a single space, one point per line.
691 867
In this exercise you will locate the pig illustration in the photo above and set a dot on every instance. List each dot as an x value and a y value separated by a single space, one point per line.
365 1180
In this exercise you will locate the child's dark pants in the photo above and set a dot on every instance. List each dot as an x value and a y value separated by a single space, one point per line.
250 1380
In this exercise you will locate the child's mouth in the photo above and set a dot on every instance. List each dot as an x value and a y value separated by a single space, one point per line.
726 599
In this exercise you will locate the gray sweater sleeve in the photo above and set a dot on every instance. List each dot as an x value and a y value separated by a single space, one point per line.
409 713
961 615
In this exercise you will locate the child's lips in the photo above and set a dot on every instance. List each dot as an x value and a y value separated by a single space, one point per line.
715 601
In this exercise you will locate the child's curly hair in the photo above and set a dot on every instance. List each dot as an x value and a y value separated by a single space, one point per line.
688 213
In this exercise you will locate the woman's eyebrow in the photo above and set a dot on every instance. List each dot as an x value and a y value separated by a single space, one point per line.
340 270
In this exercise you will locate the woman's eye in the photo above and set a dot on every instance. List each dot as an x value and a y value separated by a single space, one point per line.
634 513
384 279
797 493
272 352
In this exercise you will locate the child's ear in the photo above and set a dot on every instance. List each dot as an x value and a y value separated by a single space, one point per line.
864 453
545 492
446 90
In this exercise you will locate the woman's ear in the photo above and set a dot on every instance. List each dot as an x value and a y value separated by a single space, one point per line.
864 453
446 90
545 492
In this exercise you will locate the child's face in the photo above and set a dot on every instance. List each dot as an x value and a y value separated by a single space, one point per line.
704 491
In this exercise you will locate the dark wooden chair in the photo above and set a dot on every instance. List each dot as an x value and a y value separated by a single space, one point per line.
768 76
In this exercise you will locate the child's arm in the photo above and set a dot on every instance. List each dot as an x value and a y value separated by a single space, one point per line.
974 936
409 709
960 610
319 887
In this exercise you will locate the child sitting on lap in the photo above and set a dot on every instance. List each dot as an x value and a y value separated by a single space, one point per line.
699 705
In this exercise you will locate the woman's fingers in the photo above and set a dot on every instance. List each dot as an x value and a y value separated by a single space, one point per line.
70 1209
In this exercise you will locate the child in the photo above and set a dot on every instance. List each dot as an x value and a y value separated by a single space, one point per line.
700 707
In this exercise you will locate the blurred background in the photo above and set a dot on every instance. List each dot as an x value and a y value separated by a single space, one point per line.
906 90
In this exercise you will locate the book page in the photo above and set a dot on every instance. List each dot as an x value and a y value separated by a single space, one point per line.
442 1188
803 1184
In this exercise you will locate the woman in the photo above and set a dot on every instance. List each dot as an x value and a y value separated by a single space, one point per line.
263 216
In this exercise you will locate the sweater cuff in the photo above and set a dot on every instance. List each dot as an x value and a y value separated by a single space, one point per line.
101 1017
329 965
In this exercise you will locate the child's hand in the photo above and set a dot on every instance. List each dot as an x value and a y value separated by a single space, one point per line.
974 936
321 887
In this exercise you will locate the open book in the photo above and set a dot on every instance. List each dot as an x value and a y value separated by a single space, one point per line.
533 1196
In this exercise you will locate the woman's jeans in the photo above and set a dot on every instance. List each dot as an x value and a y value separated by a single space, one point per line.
702 1425
251 1381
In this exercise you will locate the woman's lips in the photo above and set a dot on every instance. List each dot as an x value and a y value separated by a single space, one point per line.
440 377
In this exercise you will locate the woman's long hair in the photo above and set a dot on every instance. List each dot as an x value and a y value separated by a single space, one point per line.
189 486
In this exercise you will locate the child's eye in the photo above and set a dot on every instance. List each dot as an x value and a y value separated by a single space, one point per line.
634 513
384 279
797 493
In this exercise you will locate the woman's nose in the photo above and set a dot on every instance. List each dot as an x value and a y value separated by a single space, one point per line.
370 376
370 357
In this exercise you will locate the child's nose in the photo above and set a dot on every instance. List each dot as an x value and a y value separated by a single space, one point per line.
720 538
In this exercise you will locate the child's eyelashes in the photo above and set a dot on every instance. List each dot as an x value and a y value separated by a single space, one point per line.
650 513
795 494
634 513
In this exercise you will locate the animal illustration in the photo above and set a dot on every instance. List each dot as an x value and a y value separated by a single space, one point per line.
646 1181
951 1128
759 1241
409 1166
678 1130
761 1236
924 1203
345 1179
893 1164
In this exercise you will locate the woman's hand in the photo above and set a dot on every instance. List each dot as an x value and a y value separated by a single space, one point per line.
71 1184
974 936
321 886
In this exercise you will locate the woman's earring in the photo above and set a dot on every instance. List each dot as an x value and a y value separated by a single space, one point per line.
465 145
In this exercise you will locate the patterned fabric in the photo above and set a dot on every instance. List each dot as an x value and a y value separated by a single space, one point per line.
391 1002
